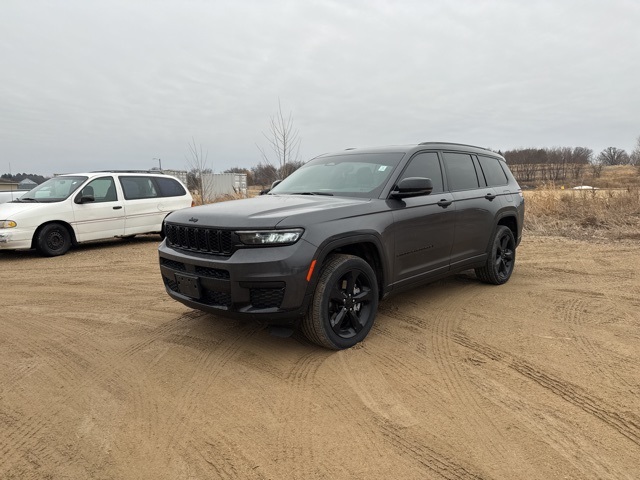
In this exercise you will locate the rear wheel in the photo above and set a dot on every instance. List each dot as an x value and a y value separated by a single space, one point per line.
53 240
501 260
344 304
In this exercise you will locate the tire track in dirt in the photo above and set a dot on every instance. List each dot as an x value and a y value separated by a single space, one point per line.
208 364
429 459
441 328
627 424
572 312
161 332
301 381
396 427
67 364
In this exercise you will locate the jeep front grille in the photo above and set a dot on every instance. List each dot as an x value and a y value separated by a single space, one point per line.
200 239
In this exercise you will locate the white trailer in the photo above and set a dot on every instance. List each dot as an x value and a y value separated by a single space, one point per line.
221 184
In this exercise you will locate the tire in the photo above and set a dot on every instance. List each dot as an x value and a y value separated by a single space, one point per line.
501 260
53 240
344 304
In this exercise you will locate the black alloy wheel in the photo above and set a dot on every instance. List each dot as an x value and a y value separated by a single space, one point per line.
344 305
501 260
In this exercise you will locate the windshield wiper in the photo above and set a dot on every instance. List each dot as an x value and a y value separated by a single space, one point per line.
26 199
312 193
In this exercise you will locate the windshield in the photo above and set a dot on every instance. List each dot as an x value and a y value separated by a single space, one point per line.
53 190
351 175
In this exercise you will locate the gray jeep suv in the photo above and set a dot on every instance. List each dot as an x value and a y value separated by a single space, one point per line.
323 246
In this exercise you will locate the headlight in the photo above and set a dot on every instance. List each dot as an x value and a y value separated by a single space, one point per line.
270 237
8 224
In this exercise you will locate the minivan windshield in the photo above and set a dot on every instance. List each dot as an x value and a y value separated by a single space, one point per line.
352 175
55 189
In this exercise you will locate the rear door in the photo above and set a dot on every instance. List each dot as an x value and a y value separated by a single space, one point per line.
144 209
476 207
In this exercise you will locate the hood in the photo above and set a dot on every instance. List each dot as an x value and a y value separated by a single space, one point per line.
10 209
269 211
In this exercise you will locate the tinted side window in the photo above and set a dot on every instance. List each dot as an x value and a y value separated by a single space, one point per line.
103 189
426 165
169 187
138 187
493 173
461 173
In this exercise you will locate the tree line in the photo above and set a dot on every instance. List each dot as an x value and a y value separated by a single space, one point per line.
18 177
565 163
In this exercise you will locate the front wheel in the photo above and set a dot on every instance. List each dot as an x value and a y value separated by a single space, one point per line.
501 260
344 304
53 240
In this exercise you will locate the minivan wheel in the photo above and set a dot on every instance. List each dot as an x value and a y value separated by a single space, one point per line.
53 239
501 260
344 304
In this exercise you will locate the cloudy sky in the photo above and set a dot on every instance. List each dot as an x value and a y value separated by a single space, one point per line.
92 85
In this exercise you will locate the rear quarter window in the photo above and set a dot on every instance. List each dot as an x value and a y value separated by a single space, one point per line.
169 187
493 172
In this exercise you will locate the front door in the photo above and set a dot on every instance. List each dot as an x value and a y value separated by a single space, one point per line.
423 226
101 218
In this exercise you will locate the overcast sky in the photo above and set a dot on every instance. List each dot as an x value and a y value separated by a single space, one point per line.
93 85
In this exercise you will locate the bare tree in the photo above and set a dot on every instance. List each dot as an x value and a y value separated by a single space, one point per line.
197 163
264 174
284 143
613 156
634 159
580 157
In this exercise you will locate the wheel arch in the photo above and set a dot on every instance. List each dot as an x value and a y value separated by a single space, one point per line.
509 219
366 246
67 225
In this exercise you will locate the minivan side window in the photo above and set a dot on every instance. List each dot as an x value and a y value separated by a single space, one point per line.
493 173
169 187
461 174
102 189
138 187
426 165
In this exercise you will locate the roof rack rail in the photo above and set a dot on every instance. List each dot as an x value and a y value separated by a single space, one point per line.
454 143
128 171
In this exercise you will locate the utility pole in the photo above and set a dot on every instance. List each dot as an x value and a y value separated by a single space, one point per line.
159 163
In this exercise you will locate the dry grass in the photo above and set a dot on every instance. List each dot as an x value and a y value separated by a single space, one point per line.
586 214
610 213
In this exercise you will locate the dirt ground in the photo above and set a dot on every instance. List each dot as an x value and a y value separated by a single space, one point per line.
103 376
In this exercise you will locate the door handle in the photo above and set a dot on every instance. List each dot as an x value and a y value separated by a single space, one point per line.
490 196
444 203
118 207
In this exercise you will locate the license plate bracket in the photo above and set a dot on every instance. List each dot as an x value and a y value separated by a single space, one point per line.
188 285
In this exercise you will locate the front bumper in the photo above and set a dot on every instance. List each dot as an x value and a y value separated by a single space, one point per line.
15 239
261 283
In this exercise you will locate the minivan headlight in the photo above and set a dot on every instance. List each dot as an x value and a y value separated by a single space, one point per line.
270 237
8 224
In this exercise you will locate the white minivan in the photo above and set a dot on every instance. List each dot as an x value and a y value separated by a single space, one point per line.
75 208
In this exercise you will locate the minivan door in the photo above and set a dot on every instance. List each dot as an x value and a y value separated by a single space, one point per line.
144 206
102 217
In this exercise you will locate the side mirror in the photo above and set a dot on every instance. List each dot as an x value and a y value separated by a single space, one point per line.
412 187
267 190
84 198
